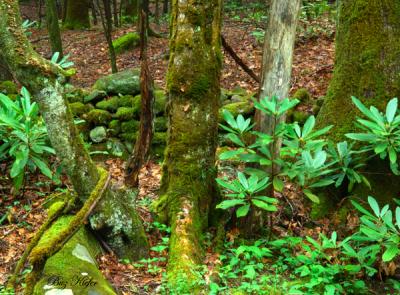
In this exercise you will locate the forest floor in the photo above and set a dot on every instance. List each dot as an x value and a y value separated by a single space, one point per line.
312 69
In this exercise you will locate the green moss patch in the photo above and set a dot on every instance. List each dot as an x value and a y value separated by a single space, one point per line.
130 126
78 108
8 87
98 117
125 113
110 104
126 42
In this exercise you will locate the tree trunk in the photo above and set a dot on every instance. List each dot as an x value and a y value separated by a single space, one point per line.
143 142
367 62
5 73
189 170
77 16
53 28
115 13
275 81
106 21
131 8
114 218
367 66
165 6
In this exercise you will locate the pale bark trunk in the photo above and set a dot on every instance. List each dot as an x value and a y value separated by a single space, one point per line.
277 57
114 219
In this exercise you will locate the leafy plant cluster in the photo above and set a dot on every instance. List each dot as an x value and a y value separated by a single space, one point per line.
24 138
316 266
305 158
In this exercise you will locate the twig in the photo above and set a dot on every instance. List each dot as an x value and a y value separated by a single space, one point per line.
238 60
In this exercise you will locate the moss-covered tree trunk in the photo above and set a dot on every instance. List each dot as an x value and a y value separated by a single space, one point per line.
114 218
131 8
53 27
367 66
189 169
367 61
77 15
5 73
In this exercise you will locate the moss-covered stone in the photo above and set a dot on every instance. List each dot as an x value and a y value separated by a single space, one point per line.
114 127
302 95
125 101
94 96
126 42
125 82
117 149
98 134
125 113
75 261
300 116
129 137
110 104
159 138
244 108
8 87
98 117
160 102
76 94
130 126
160 124
78 108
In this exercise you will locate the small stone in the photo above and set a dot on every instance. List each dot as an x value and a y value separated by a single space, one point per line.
98 134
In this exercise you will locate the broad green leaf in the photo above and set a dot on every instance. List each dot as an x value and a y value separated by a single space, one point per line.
278 184
228 117
391 252
19 164
398 217
42 167
308 126
243 180
263 205
230 154
374 205
229 204
242 211
362 136
311 196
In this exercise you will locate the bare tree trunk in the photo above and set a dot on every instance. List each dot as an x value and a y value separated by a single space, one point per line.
53 27
277 58
188 183
143 142
106 20
94 12
165 6
77 14
115 13
123 231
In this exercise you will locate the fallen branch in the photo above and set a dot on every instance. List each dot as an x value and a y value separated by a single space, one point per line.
238 60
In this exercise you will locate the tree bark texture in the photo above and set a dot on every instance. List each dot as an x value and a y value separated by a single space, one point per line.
77 15
367 66
143 142
114 218
106 21
5 73
189 170
53 27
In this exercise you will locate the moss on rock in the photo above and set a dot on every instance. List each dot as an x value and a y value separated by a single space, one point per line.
160 124
300 117
75 262
125 113
114 127
159 138
110 104
130 126
126 42
129 137
125 82
8 87
78 108
244 108
98 117
125 101
302 95
94 96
